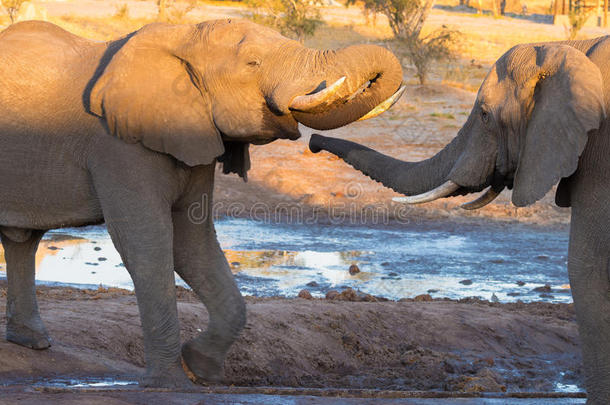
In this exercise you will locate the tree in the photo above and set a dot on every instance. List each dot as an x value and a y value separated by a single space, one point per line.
295 18
12 8
406 19
578 17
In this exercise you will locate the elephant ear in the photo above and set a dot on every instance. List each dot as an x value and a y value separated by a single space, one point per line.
148 94
568 103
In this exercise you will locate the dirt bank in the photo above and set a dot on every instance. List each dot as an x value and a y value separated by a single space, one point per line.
412 345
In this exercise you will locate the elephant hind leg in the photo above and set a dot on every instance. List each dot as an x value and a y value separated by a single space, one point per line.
24 325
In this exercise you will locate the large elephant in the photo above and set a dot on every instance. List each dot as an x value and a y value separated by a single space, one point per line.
539 119
128 133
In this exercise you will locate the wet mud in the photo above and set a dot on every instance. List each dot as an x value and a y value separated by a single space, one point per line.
441 345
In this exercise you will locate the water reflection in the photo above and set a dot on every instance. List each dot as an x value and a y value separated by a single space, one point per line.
274 259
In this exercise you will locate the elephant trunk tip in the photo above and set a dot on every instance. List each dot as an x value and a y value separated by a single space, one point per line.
316 143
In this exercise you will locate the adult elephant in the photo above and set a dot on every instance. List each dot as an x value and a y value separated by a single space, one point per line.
539 119
128 132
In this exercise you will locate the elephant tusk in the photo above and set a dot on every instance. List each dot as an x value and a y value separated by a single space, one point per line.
441 191
384 106
483 200
310 101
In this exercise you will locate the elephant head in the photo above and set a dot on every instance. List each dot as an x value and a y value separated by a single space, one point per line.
530 123
206 91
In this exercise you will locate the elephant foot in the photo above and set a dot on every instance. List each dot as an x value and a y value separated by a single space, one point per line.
34 338
205 367
173 378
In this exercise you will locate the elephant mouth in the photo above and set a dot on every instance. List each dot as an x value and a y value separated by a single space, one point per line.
328 99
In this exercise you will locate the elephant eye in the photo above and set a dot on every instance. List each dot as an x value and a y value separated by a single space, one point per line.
254 63
485 116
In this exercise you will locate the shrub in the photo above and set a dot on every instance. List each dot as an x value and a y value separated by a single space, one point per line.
173 11
406 19
12 8
121 11
577 17
294 18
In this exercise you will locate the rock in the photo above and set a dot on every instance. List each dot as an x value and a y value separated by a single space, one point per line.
494 298
520 283
489 361
235 264
423 298
54 248
348 295
513 294
542 257
354 269
485 381
101 259
332 295
545 295
305 295
31 11
544 289
466 282
97 248
432 291
497 261
385 264
312 284
371 298
392 274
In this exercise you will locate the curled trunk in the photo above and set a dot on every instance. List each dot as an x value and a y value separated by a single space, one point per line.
409 178
372 74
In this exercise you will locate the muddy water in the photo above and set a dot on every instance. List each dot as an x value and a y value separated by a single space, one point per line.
397 261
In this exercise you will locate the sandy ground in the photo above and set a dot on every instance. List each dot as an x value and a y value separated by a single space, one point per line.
440 345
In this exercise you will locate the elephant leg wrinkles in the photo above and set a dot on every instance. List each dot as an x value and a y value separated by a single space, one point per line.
145 245
200 262
589 268
137 209
24 325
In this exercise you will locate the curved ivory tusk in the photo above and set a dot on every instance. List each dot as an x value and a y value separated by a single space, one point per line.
483 200
384 106
441 191
310 101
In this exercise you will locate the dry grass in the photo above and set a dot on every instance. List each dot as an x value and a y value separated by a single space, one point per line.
484 38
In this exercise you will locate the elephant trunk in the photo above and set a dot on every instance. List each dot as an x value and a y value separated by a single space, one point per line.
372 75
409 178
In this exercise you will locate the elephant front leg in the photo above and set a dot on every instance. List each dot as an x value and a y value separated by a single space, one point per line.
24 325
589 269
145 244
200 262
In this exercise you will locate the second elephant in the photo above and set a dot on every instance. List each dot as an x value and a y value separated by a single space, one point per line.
539 119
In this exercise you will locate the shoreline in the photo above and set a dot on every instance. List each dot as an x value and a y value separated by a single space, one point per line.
460 346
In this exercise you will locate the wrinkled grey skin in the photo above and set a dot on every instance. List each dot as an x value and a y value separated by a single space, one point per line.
128 132
539 119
